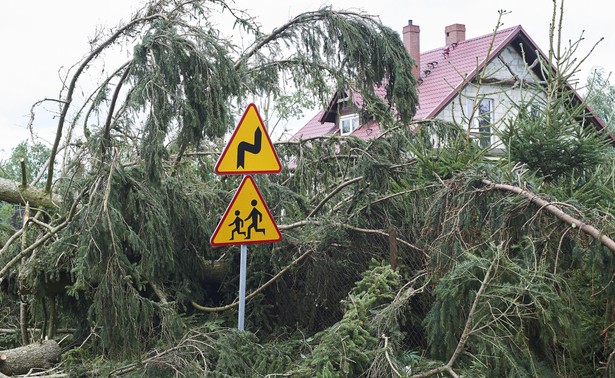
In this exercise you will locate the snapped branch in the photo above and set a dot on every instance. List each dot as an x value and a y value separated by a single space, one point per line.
554 210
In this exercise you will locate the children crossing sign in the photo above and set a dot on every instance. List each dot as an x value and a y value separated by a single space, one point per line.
249 151
247 219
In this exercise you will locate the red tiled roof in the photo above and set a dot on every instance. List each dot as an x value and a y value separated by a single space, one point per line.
452 66
378 90
315 128
367 131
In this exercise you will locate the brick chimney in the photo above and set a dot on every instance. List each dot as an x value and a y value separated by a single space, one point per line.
412 41
455 33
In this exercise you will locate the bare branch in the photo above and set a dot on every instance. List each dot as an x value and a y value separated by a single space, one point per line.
333 193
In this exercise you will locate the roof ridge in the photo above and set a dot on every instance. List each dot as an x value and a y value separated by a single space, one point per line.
500 31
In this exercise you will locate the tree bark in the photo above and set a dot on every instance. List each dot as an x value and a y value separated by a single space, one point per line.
23 323
14 192
39 355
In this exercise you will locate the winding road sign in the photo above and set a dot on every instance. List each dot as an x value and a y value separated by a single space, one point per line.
249 151
247 219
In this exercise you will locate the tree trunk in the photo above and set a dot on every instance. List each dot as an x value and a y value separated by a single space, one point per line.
14 192
39 355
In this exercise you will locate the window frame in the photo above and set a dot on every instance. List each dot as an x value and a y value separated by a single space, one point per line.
353 120
482 121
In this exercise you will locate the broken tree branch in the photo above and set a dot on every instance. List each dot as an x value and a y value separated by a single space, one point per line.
258 290
559 213
40 241
73 85
333 193
24 173
14 192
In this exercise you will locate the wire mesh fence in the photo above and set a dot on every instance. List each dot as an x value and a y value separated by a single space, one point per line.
310 297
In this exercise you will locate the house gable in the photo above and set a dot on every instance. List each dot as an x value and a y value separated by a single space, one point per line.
443 74
507 80
448 70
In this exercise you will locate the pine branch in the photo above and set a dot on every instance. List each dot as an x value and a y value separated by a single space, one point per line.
258 290
388 197
188 342
352 228
305 140
307 18
298 259
107 127
467 330
333 193
610 365
40 241
73 84
386 353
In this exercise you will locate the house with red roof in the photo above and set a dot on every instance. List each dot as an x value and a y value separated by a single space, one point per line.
474 82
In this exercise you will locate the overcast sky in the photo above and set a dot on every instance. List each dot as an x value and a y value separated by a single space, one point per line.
39 37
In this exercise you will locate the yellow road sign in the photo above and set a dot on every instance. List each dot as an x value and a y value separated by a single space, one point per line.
247 219
249 151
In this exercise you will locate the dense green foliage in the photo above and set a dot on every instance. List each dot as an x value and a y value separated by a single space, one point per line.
26 158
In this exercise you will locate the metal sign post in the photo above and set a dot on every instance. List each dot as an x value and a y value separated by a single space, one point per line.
243 263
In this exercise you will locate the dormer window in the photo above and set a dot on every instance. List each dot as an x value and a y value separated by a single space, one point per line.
349 123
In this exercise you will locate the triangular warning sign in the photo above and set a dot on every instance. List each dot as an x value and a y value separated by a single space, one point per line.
247 219
249 151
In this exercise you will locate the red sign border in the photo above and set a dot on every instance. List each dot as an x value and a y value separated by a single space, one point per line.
228 209
267 138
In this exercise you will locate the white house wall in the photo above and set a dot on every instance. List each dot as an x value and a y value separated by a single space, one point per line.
515 87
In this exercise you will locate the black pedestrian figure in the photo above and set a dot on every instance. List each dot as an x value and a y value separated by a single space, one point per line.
255 217
238 224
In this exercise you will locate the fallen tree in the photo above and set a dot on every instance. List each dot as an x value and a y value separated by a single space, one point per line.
135 244
39 355
15 192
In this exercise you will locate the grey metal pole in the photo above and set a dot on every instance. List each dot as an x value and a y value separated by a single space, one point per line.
242 285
